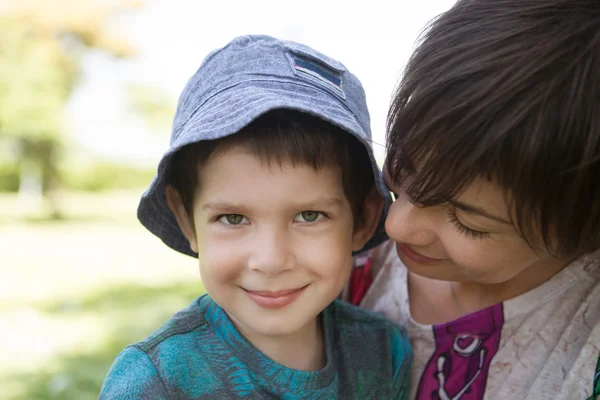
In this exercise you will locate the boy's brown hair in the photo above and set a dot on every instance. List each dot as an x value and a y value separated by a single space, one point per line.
280 137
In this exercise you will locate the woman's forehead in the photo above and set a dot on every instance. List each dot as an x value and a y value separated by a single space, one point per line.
487 195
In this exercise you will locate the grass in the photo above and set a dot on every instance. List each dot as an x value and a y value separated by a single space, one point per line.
75 292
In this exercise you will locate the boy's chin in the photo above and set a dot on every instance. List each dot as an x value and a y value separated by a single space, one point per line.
281 324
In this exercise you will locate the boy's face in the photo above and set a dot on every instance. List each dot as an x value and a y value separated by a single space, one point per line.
274 243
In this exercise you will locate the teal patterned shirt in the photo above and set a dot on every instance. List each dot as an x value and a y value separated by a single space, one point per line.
199 354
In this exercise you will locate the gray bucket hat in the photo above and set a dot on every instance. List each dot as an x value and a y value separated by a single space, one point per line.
245 79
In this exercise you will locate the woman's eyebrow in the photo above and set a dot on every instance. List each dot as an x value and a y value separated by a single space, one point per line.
469 209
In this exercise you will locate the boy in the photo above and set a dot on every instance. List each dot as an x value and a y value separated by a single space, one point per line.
270 181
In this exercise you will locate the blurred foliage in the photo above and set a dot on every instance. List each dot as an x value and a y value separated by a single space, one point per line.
100 175
93 176
155 106
41 46
133 311
76 292
9 173
34 83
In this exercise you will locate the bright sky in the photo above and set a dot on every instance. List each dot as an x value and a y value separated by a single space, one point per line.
373 39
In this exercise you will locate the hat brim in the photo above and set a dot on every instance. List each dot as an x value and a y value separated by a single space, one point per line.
226 113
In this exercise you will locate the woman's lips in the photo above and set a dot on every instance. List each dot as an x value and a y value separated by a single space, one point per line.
413 255
272 300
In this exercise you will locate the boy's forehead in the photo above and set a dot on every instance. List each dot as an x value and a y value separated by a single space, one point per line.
232 150
240 160
240 178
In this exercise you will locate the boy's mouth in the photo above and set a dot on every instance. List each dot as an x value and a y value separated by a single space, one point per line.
274 299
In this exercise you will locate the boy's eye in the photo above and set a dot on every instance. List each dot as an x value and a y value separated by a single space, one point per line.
307 216
232 219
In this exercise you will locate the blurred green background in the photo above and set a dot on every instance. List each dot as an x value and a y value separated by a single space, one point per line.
79 277
76 291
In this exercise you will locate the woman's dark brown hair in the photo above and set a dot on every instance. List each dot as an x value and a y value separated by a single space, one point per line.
508 91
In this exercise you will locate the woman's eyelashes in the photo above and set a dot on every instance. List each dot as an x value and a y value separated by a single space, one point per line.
468 232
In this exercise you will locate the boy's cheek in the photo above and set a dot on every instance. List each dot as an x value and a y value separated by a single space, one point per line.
327 256
324 252
221 263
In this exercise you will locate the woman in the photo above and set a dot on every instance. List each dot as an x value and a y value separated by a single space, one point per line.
494 157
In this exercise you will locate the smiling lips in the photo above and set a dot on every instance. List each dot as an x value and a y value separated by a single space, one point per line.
413 255
272 300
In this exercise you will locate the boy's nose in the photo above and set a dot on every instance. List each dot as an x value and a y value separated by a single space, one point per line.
270 253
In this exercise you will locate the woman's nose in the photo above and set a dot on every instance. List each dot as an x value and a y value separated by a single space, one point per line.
407 223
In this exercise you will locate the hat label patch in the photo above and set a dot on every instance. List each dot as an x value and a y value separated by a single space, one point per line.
316 70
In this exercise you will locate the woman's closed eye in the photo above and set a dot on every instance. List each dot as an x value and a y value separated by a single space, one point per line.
461 228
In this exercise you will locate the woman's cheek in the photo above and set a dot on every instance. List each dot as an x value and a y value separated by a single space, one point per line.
472 255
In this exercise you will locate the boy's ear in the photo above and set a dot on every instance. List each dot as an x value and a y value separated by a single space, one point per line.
181 215
373 207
